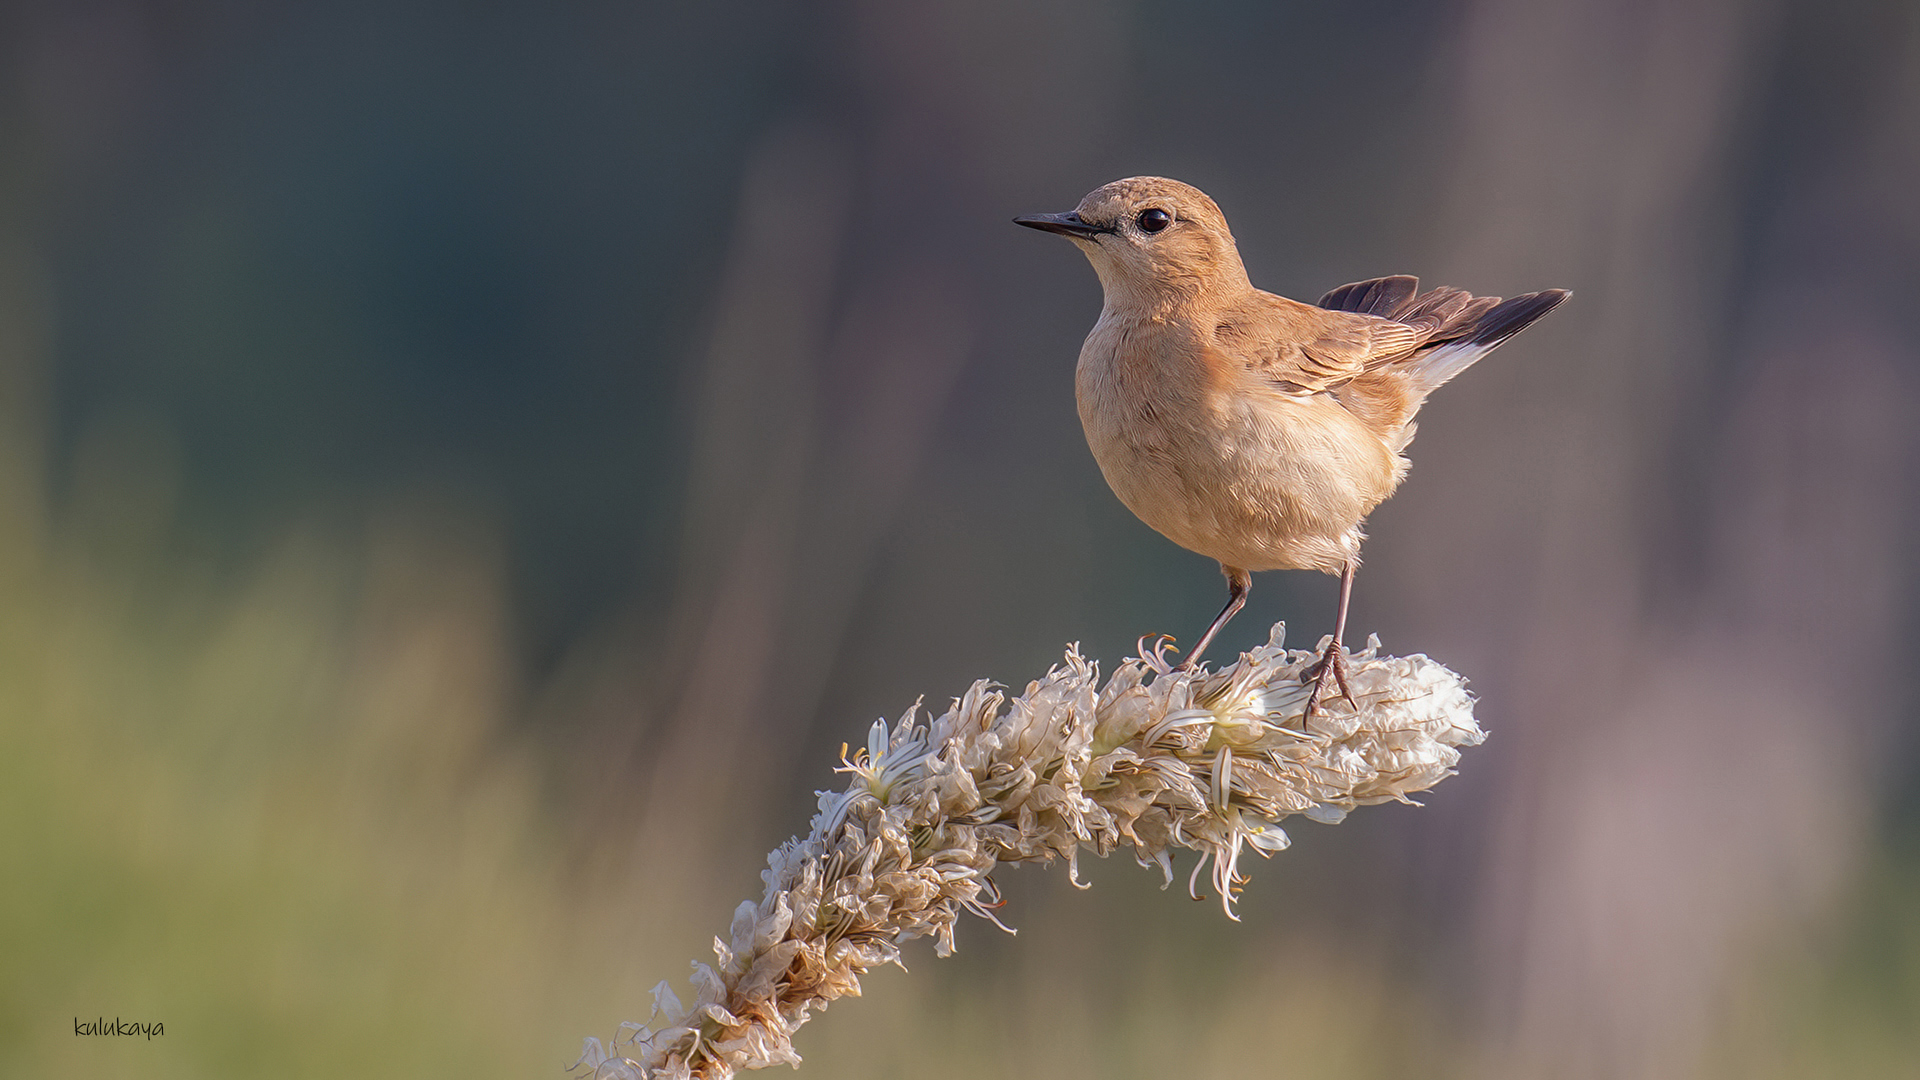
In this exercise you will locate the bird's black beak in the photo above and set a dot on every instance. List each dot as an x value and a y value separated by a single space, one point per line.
1067 224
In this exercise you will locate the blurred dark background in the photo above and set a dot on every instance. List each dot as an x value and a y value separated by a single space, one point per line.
466 468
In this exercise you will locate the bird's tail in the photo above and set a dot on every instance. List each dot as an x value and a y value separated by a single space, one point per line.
1457 327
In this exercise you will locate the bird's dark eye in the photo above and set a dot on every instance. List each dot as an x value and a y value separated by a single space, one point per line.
1153 219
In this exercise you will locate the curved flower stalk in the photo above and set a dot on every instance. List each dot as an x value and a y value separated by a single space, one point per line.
1155 759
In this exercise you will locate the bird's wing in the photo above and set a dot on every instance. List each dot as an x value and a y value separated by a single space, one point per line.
1306 349
1455 327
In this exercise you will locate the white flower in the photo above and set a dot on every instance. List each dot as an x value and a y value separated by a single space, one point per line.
1157 758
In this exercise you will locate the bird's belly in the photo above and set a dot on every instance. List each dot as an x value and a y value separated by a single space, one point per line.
1266 483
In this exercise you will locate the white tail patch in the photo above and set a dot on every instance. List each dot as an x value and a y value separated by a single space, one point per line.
1432 369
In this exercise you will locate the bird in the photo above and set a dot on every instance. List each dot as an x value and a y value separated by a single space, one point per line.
1253 429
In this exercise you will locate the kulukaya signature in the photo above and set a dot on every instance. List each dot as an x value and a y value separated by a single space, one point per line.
100 1026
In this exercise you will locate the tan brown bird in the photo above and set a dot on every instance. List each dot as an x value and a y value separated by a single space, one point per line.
1254 429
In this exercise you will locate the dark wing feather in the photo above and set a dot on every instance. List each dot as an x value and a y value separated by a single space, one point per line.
1512 316
1380 296
1443 315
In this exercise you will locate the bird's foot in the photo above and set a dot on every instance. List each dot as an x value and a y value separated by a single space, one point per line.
1326 673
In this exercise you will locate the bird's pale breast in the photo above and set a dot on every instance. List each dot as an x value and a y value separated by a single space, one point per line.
1220 461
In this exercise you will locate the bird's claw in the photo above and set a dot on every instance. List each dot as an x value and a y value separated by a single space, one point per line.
1330 669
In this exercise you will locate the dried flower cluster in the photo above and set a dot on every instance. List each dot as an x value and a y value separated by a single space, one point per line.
1158 758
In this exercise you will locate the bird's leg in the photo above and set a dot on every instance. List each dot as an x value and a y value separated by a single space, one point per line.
1239 583
1332 665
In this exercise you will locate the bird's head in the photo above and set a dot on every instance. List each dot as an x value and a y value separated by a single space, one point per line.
1153 241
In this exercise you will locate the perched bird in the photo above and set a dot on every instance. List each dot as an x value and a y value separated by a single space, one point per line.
1250 428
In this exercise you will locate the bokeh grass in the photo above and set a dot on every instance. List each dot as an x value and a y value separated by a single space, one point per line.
276 813
1844 1003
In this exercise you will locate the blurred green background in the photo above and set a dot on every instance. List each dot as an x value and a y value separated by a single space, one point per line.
465 468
